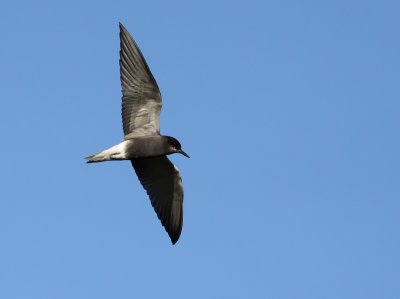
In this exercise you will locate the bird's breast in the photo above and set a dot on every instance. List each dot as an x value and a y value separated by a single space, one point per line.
144 147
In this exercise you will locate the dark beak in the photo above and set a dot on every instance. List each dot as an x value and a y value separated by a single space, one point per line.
183 153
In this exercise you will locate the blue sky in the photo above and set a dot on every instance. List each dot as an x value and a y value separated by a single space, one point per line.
288 109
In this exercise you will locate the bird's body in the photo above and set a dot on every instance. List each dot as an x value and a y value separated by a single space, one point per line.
143 145
133 148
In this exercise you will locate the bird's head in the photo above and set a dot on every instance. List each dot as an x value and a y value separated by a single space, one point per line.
174 146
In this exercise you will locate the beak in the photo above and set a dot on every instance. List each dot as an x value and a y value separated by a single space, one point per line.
183 153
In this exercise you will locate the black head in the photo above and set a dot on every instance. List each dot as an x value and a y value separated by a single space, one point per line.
175 146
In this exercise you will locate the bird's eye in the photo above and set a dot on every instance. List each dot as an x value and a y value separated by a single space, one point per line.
175 143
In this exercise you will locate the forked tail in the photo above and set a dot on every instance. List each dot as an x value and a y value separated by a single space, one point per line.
98 157
117 152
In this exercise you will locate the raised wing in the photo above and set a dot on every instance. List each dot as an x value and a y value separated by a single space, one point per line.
161 179
141 98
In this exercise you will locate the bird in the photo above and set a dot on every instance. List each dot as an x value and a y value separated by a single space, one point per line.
143 144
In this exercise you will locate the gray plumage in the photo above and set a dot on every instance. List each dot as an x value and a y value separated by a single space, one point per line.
141 97
163 184
143 144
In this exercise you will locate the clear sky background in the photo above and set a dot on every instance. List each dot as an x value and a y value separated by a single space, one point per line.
288 109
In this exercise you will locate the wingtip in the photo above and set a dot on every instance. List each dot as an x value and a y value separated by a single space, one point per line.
121 27
174 240
174 236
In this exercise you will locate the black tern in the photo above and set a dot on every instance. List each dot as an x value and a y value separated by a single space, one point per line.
143 144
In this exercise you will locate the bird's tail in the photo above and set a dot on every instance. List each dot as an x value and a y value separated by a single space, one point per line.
97 157
116 152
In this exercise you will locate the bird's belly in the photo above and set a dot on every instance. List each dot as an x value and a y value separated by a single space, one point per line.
143 148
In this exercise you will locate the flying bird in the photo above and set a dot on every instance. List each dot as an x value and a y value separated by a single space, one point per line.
143 144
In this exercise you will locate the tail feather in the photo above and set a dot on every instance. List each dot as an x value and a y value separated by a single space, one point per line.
117 152
94 158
